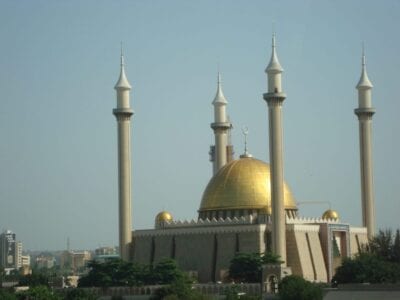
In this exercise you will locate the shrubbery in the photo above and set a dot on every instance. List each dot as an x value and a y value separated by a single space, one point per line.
297 288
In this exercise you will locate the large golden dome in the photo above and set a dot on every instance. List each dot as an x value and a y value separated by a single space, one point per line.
242 184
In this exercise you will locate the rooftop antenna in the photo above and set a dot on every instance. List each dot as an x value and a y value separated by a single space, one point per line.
68 244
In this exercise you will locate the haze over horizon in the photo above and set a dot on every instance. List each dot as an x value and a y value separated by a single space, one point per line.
59 63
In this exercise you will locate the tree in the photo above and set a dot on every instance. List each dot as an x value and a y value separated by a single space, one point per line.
382 244
246 267
39 292
6 295
179 289
367 267
297 288
79 294
396 247
34 279
166 272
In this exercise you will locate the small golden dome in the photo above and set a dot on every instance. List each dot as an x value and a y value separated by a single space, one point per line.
330 215
163 216
242 184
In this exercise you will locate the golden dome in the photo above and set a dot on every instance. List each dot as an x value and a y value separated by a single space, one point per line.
330 215
242 184
163 216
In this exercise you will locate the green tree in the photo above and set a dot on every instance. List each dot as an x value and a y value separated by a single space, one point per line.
7 295
79 294
297 288
39 292
34 279
179 289
396 247
382 244
166 272
367 267
246 267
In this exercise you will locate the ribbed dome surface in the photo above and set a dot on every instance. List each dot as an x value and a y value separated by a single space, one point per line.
242 184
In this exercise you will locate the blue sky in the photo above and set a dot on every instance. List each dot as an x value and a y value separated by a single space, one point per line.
59 61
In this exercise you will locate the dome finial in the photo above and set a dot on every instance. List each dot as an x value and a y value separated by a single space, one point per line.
245 131
364 82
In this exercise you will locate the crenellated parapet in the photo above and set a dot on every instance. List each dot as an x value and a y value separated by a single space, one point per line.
244 220
307 220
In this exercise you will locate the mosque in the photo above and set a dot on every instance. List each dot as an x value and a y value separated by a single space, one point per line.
247 206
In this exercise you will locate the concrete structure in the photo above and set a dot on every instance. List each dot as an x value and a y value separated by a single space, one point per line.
10 251
364 112
76 260
221 152
246 206
123 114
47 262
275 98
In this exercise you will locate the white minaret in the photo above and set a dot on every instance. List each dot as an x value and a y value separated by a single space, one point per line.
364 112
221 127
275 98
123 113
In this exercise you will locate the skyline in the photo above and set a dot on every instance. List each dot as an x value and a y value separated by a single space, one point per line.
60 62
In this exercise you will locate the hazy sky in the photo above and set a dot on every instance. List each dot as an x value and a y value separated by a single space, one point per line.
59 61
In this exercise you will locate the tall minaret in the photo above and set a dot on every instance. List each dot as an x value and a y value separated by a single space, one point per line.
364 112
123 113
275 98
221 126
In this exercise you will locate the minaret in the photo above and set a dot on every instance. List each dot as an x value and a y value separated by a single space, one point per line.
364 112
221 126
123 113
275 98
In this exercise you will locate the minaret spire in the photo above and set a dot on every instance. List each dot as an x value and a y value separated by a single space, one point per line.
274 99
122 82
365 112
274 70
364 82
221 127
123 114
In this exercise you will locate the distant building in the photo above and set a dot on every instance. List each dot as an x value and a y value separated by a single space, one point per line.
106 251
10 251
25 260
75 259
45 262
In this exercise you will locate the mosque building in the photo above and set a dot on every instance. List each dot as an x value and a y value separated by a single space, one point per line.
246 206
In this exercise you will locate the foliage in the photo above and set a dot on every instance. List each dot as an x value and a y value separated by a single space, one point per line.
232 293
247 267
179 289
385 245
271 258
113 272
378 262
367 267
34 279
165 272
79 294
297 288
396 247
39 292
6 295
116 272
